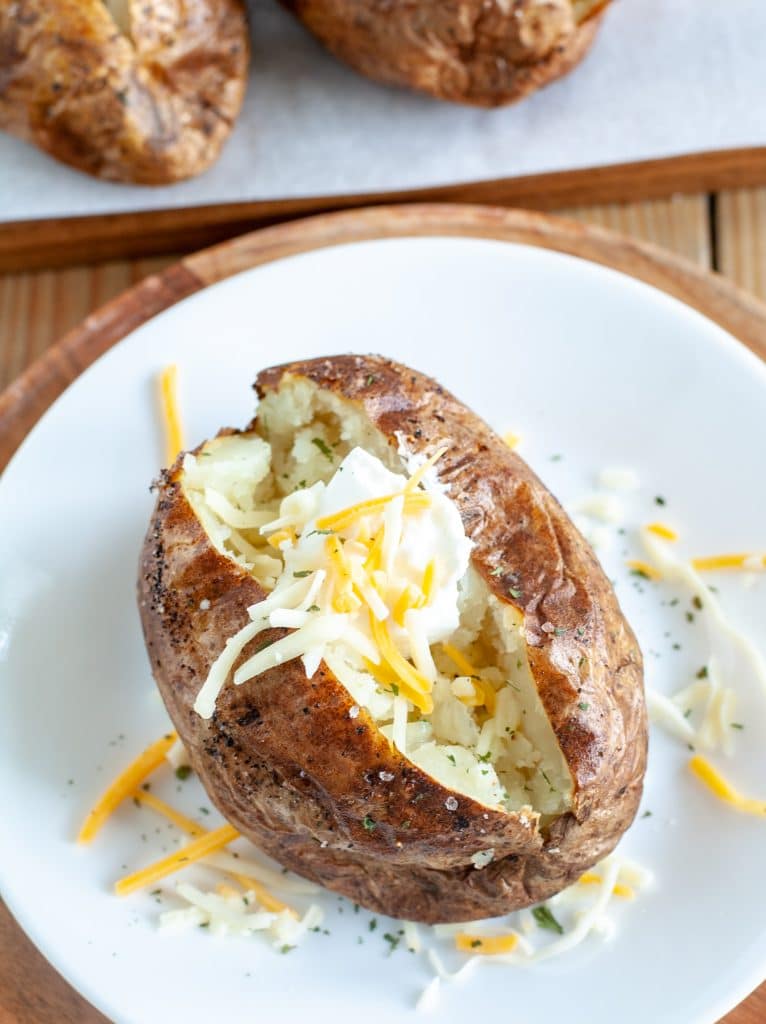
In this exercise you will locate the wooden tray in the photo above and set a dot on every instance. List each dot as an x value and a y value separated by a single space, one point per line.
34 244
31 992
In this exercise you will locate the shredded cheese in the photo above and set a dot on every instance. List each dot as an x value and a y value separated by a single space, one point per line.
413 502
486 945
193 851
661 530
644 568
125 785
718 785
170 414
178 819
460 661
737 561
420 473
511 439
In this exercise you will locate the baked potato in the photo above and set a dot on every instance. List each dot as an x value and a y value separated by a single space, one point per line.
145 91
396 665
482 52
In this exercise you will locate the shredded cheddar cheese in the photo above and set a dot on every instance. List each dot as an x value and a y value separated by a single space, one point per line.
413 502
718 785
418 475
644 568
194 851
170 414
284 536
736 561
459 660
486 945
428 581
511 439
661 530
125 785
179 820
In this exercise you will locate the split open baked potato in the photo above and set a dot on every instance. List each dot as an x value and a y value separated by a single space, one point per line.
482 52
397 666
145 91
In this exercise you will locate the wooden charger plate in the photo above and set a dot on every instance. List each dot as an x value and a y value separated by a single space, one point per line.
31 992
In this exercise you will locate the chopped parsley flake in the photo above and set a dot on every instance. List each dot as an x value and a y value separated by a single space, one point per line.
646 814
515 593
475 943
545 919
451 759
659 500
323 448
392 940
583 705
183 771
369 824
499 570
313 608
301 574
373 924
370 380
737 725
702 673
697 602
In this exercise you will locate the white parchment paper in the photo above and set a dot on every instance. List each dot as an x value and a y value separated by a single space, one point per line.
665 77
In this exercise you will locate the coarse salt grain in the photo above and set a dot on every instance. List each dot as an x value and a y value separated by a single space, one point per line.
450 803
386 776
353 711
204 604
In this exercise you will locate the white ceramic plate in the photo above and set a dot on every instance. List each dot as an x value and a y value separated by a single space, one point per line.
586 364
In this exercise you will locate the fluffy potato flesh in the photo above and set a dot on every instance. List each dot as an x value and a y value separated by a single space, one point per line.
509 758
523 764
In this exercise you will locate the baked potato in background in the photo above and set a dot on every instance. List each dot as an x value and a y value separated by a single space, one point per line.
481 52
310 768
143 91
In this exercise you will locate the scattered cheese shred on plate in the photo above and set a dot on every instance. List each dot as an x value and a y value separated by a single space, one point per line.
662 530
125 785
718 785
196 850
643 569
486 945
171 417
736 561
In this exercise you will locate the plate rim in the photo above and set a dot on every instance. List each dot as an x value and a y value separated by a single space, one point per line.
23 403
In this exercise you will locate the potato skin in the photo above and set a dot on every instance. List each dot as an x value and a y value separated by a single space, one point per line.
467 51
151 109
285 762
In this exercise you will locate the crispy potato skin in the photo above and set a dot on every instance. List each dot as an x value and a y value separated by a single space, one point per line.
285 762
151 108
468 51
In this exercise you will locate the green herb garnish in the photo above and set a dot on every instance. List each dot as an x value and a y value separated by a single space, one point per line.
737 725
301 574
323 448
702 673
546 920
583 705
392 940
183 771
369 824
515 593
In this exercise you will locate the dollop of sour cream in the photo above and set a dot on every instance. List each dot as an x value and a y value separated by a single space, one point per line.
368 561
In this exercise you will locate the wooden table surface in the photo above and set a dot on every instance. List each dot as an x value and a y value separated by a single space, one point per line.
725 232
